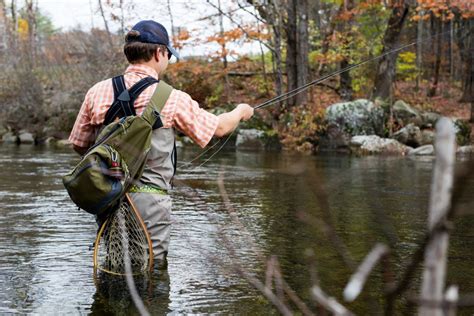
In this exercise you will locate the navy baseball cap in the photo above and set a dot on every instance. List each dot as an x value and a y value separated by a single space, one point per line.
154 33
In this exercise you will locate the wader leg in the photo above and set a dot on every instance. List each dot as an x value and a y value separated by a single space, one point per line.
155 210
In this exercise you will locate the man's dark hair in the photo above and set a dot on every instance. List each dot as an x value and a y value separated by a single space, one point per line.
136 51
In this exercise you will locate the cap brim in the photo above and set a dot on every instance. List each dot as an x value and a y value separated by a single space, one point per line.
173 51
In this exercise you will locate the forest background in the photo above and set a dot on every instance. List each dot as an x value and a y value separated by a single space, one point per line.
45 71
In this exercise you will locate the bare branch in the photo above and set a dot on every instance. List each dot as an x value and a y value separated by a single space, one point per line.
436 252
358 279
329 303
240 26
452 297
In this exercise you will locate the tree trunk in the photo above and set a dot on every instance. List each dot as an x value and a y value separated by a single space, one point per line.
278 67
419 50
437 65
221 31
291 49
122 18
31 18
3 27
468 61
109 35
271 13
451 48
173 35
345 80
472 113
326 39
386 68
303 50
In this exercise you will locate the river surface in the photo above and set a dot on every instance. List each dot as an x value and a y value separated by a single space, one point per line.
278 204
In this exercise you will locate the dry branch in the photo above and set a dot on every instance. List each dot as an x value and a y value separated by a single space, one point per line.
358 279
436 251
452 297
329 303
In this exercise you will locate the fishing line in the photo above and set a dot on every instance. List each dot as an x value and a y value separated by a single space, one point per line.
199 156
215 153
294 92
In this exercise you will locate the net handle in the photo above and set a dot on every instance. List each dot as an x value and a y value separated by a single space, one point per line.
142 224
97 240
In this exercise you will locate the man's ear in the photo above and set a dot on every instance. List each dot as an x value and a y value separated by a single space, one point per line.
157 54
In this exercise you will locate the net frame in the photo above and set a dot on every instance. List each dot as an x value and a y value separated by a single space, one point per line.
123 225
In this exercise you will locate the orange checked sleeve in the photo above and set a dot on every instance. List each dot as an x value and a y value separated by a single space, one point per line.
82 133
193 121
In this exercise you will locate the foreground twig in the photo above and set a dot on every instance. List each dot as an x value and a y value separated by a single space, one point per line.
437 248
461 185
281 283
358 279
328 303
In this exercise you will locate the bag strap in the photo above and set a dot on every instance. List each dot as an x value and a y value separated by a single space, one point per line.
156 104
124 99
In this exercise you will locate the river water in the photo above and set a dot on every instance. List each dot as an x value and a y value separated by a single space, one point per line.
278 204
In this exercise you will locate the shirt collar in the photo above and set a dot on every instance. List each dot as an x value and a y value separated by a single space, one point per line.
142 69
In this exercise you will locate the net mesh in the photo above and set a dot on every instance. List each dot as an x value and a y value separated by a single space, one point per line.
123 227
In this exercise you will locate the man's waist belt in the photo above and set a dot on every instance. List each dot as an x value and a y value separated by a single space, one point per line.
146 189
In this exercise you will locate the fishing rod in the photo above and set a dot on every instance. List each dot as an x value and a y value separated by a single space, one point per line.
296 91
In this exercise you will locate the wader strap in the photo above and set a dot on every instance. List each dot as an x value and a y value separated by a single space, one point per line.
124 99
157 102
152 113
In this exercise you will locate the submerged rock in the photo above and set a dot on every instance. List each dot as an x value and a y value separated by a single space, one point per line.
360 117
50 141
26 138
250 139
410 135
254 139
63 143
463 131
427 150
10 138
372 144
427 137
466 150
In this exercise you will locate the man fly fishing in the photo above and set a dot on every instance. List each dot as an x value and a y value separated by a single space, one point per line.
148 50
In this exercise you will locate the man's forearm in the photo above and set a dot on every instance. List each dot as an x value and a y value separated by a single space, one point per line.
228 122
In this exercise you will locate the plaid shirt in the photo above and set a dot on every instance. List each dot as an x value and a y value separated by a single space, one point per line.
180 111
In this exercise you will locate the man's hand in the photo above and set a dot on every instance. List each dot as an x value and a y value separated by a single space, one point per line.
246 111
230 120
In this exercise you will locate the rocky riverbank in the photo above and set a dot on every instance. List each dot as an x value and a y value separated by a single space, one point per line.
360 127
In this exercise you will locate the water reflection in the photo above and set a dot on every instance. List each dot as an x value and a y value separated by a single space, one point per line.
46 260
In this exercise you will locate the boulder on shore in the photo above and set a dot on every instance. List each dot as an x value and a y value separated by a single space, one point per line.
430 119
405 114
410 135
250 139
360 117
63 143
26 138
427 137
10 138
426 150
463 131
466 151
254 139
372 144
